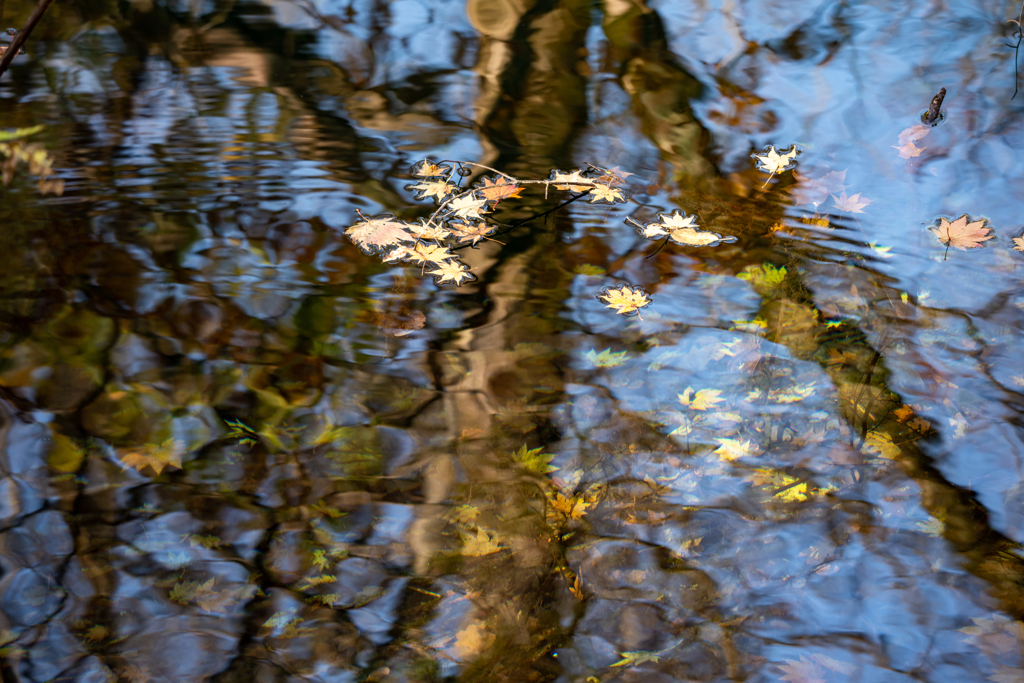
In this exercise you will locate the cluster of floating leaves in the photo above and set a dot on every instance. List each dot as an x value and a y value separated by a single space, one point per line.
461 217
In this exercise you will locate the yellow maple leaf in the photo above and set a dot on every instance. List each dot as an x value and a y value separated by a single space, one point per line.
451 271
1018 243
881 443
433 188
702 400
428 169
606 193
624 300
480 544
733 449
468 206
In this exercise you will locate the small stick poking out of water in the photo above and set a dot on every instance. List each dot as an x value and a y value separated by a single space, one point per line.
935 108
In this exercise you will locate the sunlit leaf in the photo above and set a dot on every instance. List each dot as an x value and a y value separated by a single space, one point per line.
454 271
733 449
498 189
881 443
607 358
428 169
624 299
7 135
428 231
962 234
535 459
702 400
765 278
373 234
1018 243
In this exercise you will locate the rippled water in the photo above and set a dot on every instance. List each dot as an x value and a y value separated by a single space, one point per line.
237 448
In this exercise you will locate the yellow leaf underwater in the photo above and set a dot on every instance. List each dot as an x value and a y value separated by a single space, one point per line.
624 300
702 400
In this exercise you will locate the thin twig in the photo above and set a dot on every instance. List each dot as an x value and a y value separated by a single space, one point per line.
15 47
1016 48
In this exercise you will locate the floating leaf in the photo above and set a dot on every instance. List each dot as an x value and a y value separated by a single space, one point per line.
1018 243
428 169
681 229
624 300
381 231
451 271
772 162
566 180
433 188
498 189
606 193
468 206
962 234
472 232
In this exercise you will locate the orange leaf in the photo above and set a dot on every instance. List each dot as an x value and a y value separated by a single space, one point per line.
961 234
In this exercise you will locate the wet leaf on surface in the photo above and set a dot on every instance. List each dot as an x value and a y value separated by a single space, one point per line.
624 299
498 189
571 181
961 233
468 206
453 271
373 234
772 162
439 189
428 169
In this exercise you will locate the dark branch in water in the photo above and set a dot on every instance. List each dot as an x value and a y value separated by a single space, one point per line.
1016 48
15 47
935 108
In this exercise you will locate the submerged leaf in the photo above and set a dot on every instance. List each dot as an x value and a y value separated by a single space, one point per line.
962 234
852 204
702 400
167 454
634 658
479 545
624 300
607 358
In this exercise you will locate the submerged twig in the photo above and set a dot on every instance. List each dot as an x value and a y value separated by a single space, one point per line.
15 47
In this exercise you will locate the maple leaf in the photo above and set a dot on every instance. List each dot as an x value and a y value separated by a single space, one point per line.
167 454
881 443
567 178
733 449
380 231
451 271
533 459
802 671
479 545
624 300
468 206
498 189
428 169
679 228
613 176
433 188
702 400
815 191
961 233
909 150
607 358
634 658
772 162
137 674
852 204
472 232
427 253
606 193
1018 243
914 133
573 506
